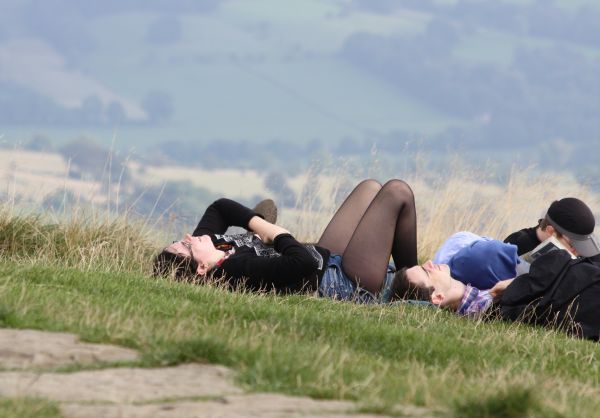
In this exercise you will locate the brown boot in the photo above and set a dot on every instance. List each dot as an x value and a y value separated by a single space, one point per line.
267 209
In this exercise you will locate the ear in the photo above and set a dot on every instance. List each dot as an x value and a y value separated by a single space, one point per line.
187 238
202 269
437 298
550 230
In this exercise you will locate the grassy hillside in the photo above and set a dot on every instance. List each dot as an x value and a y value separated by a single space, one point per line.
379 356
90 276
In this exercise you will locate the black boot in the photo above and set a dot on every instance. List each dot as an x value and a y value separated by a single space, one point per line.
267 209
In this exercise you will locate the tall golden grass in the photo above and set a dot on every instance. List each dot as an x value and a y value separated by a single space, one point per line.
86 241
465 199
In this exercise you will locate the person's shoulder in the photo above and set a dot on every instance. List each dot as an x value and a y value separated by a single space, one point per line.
453 244
525 239
527 233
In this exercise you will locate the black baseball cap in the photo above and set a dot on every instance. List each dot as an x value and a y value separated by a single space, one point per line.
573 218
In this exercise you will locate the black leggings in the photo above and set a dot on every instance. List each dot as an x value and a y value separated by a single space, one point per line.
373 223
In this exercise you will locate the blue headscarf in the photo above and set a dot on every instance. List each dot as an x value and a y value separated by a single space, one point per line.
484 262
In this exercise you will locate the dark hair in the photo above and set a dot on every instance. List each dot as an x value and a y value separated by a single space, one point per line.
400 284
544 223
403 289
167 263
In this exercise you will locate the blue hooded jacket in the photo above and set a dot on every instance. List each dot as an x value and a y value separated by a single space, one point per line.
484 262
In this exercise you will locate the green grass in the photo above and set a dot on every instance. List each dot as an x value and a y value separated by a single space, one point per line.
85 241
378 356
28 408
89 276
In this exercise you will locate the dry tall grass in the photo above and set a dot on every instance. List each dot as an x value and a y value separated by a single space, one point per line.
86 241
464 200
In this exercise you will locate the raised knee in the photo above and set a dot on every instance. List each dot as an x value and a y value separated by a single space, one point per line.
370 184
399 186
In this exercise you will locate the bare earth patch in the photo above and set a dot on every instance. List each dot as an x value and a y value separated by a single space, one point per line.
26 349
239 406
121 385
185 391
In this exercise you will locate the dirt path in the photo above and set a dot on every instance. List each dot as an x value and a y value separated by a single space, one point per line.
184 391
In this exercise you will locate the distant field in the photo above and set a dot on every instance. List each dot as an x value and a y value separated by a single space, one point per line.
497 47
321 98
250 71
462 199
34 175
246 183
253 71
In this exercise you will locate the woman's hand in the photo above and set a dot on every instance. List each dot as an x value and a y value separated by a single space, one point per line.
265 230
499 288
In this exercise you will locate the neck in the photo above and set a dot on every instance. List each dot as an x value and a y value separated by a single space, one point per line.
214 259
455 294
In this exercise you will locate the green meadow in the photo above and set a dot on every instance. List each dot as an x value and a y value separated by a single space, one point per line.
91 276
301 345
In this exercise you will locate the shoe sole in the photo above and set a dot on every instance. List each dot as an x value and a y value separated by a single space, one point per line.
267 209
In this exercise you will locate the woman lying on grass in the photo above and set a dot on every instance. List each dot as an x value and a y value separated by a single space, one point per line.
556 290
480 262
350 260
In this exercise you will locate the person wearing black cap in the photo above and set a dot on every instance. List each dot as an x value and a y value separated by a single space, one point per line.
570 220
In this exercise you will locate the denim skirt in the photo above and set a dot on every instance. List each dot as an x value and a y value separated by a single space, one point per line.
337 285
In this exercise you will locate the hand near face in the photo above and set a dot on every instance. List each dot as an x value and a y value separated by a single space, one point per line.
499 288
265 230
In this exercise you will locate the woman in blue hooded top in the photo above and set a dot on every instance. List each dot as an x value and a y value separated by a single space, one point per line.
476 261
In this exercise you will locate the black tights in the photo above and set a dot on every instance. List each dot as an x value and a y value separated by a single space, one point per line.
373 223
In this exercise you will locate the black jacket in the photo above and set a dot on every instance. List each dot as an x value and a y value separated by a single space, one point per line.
286 266
557 291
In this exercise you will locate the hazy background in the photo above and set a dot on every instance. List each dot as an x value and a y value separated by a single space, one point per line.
274 85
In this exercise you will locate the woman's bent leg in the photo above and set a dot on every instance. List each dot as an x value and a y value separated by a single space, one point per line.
340 229
389 226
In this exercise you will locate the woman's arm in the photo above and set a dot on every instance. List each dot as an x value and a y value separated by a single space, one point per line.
265 230
222 214
294 264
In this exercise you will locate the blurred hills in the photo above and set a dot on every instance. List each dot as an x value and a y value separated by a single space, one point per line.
509 80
